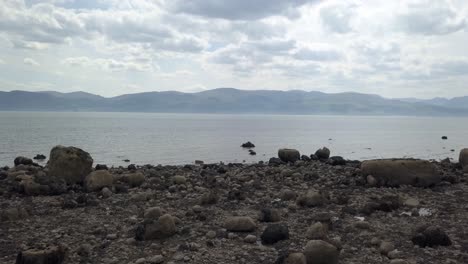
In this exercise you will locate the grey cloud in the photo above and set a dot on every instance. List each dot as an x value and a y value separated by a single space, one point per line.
337 17
435 17
239 9
317 55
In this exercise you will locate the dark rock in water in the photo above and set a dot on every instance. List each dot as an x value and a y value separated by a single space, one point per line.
305 158
251 152
199 162
51 255
430 237
444 137
126 160
101 167
69 164
132 167
274 233
337 160
289 155
23 161
40 157
275 161
248 145
323 153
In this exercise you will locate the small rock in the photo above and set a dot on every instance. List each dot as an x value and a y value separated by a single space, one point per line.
250 239
101 167
274 233
386 247
179 180
411 202
337 161
444 137
296 258
240 224
321 252
134 179
97 180
153 213
162 228
209 198
106 192
132 167
269 215
310 199
158 259
211 234
317 231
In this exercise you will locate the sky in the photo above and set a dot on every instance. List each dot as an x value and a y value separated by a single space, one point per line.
411 48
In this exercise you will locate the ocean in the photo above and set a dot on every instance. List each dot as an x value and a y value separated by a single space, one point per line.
152 138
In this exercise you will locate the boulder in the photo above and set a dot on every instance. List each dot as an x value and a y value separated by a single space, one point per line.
23 161
274 233
251 152
248 145
396 172
275 161
164 227
289 155
321 252
305 158
50 255
97 180
69 164
323 153
240 224
430 236
463 159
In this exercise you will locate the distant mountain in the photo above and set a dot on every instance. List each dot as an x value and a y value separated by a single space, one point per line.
229 100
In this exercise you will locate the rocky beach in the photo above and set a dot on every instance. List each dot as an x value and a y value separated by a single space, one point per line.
308 209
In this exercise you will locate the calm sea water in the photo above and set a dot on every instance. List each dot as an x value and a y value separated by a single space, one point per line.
182 138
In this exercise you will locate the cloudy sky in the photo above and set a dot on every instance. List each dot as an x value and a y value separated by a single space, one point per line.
411 48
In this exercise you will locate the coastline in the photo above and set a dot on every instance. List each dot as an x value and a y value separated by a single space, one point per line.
312 199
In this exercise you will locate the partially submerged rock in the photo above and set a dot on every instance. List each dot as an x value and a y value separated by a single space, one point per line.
289 155
70 164
40 157
397 172
248 145
323 153
23 161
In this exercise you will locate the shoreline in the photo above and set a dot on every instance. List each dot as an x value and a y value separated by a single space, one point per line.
235 213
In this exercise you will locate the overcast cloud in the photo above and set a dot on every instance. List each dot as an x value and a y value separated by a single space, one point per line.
411 48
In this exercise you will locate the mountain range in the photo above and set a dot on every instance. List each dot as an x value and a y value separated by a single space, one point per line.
230 100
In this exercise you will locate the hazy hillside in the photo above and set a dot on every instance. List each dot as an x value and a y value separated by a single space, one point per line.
229 100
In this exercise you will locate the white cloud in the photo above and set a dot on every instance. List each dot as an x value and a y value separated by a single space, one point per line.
30 62
384 47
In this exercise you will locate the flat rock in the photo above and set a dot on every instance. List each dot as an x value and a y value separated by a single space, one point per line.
240 224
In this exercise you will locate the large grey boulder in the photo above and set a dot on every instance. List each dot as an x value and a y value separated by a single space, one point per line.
396 172
321 252
289 155
463 159
69 164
